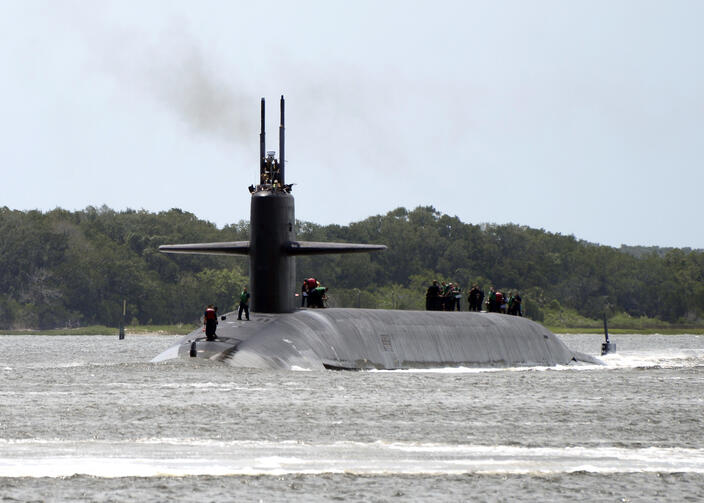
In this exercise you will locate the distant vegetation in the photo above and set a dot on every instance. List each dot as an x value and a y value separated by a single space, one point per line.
65 269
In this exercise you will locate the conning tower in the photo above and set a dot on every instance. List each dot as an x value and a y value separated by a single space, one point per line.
272 219
272 246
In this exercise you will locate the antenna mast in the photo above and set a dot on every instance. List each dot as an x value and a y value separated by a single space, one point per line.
262 141
282 159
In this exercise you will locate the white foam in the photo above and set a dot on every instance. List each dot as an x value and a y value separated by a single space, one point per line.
480 370
168 354
180 457
661 358
675 358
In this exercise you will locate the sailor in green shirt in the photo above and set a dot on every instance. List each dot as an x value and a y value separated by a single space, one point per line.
448 301
244 304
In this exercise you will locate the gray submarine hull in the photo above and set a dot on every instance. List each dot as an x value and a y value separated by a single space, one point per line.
279 336
367 339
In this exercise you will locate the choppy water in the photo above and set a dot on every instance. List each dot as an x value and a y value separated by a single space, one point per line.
90 419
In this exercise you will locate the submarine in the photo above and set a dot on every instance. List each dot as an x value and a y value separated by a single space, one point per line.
279 335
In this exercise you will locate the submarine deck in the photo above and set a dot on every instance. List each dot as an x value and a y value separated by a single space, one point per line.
357 339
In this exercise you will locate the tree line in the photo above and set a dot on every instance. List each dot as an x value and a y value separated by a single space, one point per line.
67 268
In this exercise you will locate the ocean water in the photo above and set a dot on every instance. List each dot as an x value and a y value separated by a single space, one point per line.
89 418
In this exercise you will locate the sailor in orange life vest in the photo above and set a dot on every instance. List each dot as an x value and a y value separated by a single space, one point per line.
210 320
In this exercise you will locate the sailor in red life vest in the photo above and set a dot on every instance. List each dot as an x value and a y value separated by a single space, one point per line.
312 284
210 320
500 302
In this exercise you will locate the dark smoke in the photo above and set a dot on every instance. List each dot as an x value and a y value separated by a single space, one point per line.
209 105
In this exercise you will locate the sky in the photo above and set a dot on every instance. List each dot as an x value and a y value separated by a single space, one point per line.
582 118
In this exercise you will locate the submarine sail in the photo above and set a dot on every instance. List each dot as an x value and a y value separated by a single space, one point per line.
272 246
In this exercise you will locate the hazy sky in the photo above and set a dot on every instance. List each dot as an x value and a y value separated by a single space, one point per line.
579 117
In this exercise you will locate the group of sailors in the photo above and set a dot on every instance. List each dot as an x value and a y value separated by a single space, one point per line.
313 294
447 297
210 316
443 297
498 302
439 297
270 176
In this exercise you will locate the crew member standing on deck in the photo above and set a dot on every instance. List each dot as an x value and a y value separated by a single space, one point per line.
304 293
492 305
473 298
210 320
457 296
244 304
514 304
432 297
317 297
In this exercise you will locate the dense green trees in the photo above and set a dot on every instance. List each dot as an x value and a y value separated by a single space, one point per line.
589 278
62 267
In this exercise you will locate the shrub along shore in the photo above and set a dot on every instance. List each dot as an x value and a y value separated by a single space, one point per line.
562 323
68 268
103 330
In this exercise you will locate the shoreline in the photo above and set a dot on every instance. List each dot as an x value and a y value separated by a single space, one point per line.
622 331
108 331
183 330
